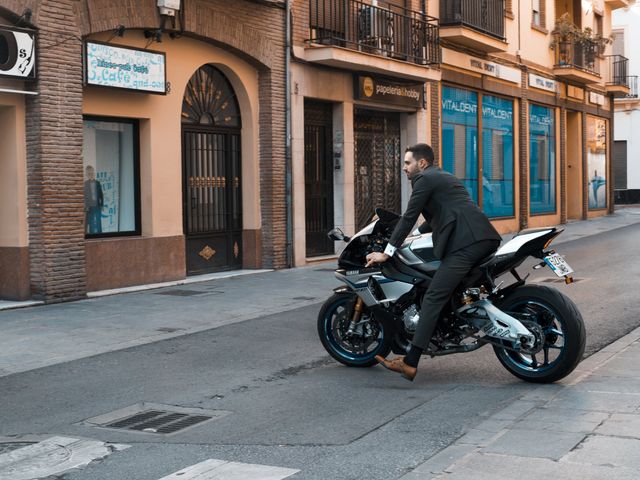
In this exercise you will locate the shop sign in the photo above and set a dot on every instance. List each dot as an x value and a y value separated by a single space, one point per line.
596 98
542 83
124 67
17 53
381 90
575 92
479 65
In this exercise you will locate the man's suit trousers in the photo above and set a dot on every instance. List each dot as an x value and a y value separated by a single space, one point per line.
453 268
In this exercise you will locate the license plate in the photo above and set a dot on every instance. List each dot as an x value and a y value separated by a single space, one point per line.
558 265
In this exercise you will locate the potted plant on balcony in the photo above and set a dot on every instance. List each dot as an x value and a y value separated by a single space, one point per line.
592 45
564 33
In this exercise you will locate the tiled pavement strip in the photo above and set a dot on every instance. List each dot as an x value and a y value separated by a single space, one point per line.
588 428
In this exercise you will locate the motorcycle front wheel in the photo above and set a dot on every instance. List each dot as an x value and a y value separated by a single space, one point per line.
356 349
560 331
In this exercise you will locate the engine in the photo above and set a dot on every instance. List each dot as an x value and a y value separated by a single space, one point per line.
410 317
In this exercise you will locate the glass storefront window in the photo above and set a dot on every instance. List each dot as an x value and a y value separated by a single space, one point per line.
460 136
497 157
542 160
111 200
597 161
461 122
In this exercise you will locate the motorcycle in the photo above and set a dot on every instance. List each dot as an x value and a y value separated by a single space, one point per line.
537 333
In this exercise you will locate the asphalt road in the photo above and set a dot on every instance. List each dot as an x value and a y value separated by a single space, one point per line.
287 403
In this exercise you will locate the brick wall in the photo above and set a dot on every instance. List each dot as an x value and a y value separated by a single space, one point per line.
54 158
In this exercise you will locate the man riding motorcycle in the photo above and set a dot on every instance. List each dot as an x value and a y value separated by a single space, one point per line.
462 236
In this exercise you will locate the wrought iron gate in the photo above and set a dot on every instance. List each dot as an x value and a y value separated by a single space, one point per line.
212 201
318 177
212 196
378 163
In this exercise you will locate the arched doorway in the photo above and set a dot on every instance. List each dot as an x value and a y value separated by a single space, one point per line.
212 196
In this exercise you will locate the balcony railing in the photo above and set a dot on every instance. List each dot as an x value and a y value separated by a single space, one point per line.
618 70
486 16
377 29
632 80
571 53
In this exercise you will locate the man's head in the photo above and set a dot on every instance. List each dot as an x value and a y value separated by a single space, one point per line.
90 172
416 158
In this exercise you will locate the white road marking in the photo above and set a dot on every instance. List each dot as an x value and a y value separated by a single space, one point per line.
52 456
213 469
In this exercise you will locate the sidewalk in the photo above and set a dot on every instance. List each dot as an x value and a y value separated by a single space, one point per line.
588 428
45 335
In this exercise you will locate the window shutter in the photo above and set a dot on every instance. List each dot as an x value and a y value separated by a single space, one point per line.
508 8
543 13
618 43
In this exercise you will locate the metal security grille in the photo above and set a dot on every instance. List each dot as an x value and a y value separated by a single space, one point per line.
318 177
378 163
158 421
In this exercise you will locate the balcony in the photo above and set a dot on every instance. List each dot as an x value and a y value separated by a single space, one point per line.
477 24
578 61
341 31
615 4
618 75
633 95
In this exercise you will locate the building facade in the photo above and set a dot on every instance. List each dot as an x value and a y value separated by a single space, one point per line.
518 105
146 141
148 145
626 148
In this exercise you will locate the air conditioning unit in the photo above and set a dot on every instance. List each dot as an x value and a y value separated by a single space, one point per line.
375 27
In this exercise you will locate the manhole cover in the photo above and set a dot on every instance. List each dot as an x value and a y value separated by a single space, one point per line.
182 293
155 418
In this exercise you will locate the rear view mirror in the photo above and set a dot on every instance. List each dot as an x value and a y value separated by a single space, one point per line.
337 235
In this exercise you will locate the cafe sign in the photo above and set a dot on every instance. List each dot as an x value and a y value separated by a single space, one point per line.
127 68
17 53
381 90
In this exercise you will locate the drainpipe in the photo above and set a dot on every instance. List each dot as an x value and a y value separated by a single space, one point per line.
287 117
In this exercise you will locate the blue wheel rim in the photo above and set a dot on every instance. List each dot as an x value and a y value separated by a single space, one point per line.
328 321
553 332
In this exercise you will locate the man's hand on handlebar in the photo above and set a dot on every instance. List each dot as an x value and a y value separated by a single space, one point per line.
375 258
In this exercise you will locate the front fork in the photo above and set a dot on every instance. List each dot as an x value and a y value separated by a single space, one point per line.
357 312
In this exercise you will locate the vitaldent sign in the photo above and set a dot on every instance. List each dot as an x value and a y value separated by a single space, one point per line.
17 53
542 83
124 67
480 65
382 90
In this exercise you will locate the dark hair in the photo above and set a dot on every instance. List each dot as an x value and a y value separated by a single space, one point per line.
420 151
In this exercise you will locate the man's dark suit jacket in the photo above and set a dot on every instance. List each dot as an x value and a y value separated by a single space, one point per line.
450 213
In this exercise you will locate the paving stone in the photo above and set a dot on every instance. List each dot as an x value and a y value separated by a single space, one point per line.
501 467
596 401
606 383
606 450
444 458
621 425
516 410
535 443
562 420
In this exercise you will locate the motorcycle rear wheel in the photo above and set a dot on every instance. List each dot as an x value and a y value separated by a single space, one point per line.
358 350
561 324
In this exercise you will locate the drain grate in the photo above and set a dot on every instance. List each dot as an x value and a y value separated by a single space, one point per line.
182 293
157 421
155 418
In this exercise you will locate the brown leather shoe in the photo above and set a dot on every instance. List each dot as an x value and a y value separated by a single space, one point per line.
397 365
